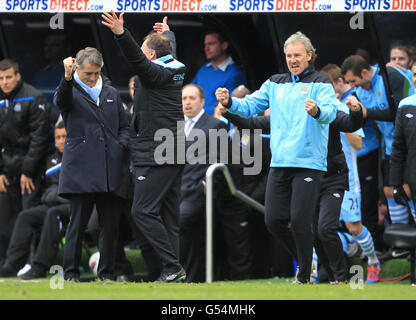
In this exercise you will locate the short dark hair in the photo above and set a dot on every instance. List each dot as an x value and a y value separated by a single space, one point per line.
356 64
200 90
401 45
159 43
6 64
332 71
60 125
221 37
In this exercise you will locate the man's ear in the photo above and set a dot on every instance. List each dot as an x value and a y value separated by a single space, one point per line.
153 55
365 73
309 56
18 76
224 45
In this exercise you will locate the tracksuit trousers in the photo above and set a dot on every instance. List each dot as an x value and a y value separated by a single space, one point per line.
291 198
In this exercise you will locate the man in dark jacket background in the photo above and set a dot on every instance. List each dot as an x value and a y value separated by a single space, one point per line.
24 140
97 138
157 144
47 218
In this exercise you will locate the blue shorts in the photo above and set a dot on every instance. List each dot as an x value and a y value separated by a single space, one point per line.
351 207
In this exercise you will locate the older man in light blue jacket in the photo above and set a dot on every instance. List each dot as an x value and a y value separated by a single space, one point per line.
302 105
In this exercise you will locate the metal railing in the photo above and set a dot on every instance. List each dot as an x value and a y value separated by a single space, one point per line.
210 209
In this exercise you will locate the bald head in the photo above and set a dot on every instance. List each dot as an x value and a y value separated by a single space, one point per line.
240 92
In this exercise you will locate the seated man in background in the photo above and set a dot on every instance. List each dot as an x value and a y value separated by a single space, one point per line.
48 217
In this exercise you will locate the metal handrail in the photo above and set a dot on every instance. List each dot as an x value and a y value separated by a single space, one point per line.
210 208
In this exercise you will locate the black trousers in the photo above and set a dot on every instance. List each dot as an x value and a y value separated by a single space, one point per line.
327 244
291 199
231 223
45 220
123 265
11 203
155 210
368 172
109 207
192 240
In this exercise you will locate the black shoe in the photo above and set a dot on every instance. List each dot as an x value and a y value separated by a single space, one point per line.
393 254
165 277
71 277
34 273
7 272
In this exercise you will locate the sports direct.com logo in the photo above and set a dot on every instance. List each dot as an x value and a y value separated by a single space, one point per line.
51 5
213 6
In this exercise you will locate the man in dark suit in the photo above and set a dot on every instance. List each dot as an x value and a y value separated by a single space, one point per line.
192 209
97 138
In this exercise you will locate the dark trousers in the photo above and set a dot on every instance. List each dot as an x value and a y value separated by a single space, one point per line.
40 218
109 207
11 203
192 239
155 210
291 199
327 244
127 225
368 172
231 219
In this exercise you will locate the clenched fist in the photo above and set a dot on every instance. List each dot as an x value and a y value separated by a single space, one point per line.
353 104
311 106
69 66
222 96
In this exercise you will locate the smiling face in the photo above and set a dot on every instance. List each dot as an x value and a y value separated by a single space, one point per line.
192 103
297 58
89 74
355 81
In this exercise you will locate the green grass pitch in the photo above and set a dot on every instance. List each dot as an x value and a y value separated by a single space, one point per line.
264 289
268 289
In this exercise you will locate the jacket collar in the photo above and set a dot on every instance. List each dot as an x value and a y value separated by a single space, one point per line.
301 76
14 92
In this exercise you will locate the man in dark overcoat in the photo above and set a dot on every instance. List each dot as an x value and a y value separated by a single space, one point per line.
97 139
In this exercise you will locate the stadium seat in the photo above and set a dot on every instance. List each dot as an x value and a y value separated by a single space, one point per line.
403 237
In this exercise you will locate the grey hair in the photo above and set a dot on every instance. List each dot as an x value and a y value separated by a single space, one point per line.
91 55
299 37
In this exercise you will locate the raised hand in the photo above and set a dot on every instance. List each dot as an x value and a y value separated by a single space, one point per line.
69 65
222 96
354 105
161 27
114 23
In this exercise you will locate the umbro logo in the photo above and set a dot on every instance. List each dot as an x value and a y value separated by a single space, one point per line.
141 178
337 195
409 115
369 178
308 179
54 161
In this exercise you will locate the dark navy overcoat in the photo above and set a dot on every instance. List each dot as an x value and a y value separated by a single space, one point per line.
96 142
